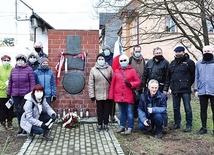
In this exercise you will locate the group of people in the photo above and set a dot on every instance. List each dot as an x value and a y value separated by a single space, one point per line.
152 80
32 80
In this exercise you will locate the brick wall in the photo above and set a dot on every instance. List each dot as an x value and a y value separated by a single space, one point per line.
89 44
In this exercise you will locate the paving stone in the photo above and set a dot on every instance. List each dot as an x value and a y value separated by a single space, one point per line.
83 140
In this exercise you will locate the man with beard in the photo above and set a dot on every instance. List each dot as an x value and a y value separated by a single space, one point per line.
156 68
181 77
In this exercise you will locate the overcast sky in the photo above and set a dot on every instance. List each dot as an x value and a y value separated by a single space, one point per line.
66 14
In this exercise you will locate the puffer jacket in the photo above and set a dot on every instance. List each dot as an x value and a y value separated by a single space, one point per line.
181 75
4 76
31 115
34 66
156 70
204 81
21 81
98 86
159 106
45 77
119 92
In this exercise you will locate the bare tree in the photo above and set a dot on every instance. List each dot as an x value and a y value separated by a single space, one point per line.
190 20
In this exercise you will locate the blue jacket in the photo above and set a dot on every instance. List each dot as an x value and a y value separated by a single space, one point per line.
204 81
159 106
45 77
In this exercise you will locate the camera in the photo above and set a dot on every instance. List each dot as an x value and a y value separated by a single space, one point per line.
148 122
149 128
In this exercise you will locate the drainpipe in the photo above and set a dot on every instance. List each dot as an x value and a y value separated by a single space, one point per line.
34 34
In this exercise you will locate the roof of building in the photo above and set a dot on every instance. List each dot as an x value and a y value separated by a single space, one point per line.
104 18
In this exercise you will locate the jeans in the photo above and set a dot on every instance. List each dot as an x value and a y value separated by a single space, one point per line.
17 100
156 120
203 108
103 111
44 117
126 112
187 107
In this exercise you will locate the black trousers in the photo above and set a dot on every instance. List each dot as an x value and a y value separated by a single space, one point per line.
111 108
203 108
5 113
103 112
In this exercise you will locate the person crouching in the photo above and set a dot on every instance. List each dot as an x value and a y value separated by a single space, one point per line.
38 114
152 109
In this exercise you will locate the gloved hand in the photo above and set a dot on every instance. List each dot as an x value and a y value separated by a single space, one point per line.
53 98
8 96
53 116
93 98
128 84
44 127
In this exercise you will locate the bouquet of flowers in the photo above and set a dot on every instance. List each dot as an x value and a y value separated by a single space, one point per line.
71 120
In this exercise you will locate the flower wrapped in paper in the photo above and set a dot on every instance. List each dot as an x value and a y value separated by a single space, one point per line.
71 120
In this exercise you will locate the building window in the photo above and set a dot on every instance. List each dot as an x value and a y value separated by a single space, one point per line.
170 25
210 27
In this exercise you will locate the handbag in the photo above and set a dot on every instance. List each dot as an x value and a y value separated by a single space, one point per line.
135 93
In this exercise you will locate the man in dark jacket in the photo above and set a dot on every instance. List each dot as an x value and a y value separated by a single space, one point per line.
152 109
138 63
181 77
156 68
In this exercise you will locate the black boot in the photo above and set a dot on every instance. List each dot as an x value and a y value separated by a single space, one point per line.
9 125
46 135
19 131
3 127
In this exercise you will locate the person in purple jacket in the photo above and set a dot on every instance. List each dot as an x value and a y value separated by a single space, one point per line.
21 82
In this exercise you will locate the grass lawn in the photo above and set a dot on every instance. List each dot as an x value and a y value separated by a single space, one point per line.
175 141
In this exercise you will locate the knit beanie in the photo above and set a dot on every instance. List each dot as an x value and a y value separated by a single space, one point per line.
43 59
100 55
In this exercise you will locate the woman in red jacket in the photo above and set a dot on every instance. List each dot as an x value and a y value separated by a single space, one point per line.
124 80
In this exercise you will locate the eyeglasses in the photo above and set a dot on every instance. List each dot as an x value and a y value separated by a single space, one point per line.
6 60
123 60
137 51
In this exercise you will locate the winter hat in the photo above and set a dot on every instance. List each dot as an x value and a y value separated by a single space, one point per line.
106 47
38 45
43 59
34 53
208 48
21 56
124 57
5 56
100 55
179 49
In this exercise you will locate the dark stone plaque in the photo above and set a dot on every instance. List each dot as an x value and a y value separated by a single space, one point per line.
73 82
75 63
73 44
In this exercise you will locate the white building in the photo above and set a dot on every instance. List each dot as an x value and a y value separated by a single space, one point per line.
20 28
